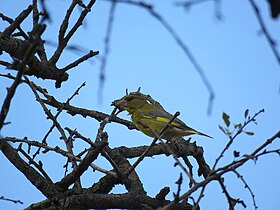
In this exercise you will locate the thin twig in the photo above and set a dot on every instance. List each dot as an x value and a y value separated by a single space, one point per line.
236 164
11 91
217 174
4 63
179 182
99 116
10 20
98 137
46 110
35 13
61 109
111 161
248 187
79 135
175 156
101 142
64 41
80 60
52 117
45 12
58 151
19 19
31 161
188 4
40 49
10 94
231 201
199 197
11 200
233 137
65 22
267 35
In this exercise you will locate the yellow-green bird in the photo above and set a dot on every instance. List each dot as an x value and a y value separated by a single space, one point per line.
150 118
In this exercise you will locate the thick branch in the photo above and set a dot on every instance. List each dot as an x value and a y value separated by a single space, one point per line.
16 23
86 112
82 167
182 148
116 201
132 182
17 49
42 184
64 41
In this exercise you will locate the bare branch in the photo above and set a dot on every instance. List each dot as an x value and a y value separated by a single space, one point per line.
15 24
179 182
119 201
101 141
10 21
41 183
18 49
99 116
247 187
58 151
64 41
231 201
83 166
217 174
48 112
61 108
11 200
80 60
11 91
267 35
31 161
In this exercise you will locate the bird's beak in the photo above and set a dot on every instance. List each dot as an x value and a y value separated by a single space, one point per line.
120 104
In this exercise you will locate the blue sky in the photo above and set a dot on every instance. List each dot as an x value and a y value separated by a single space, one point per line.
234 55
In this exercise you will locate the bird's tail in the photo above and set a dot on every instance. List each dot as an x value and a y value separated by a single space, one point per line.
192 131
203 134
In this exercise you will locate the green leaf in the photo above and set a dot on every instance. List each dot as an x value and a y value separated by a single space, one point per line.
226 119
246 113
254 121
222 129
236 154
249 133
237 125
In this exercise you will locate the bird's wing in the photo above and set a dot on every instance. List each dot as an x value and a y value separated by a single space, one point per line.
159 118
162 116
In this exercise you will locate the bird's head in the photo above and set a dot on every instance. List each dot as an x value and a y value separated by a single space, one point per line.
130 102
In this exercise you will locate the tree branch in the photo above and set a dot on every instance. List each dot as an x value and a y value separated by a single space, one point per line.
41 183
118 201
267 35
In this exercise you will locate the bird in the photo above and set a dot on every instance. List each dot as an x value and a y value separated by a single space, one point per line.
151 118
